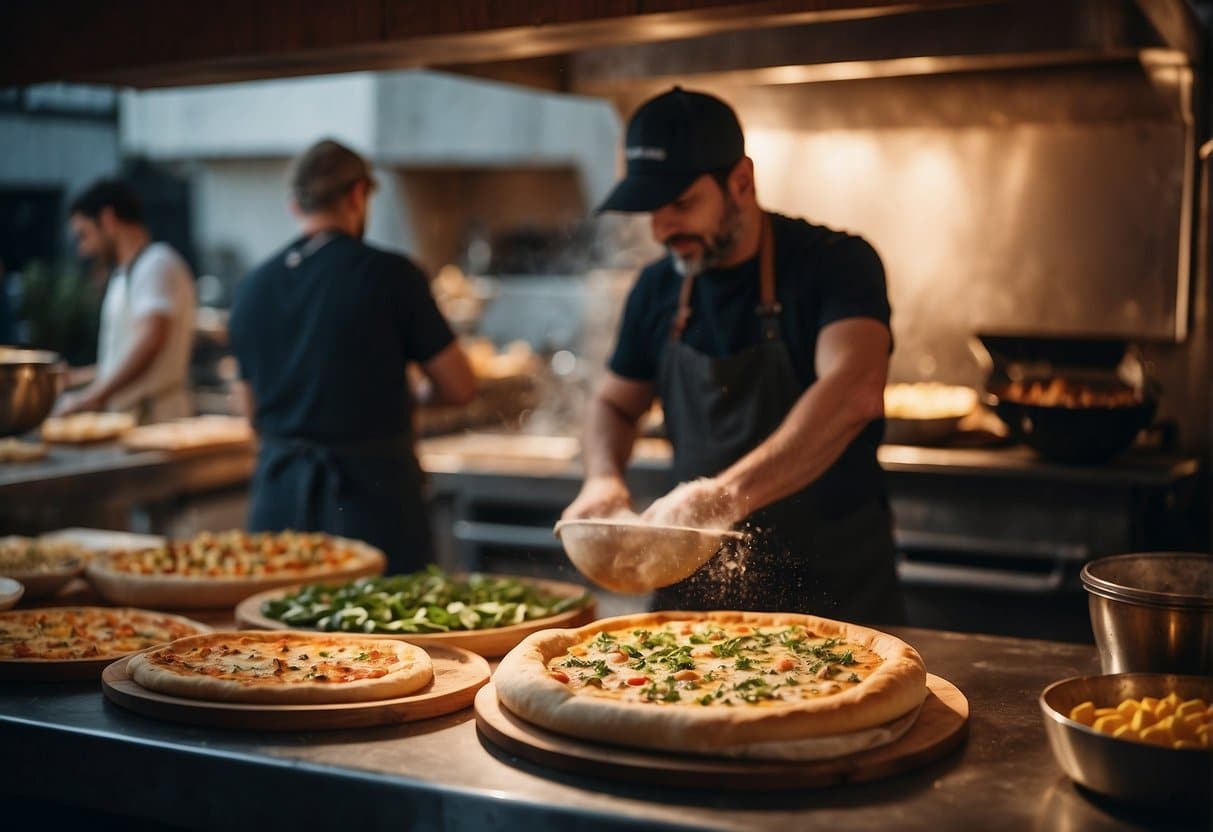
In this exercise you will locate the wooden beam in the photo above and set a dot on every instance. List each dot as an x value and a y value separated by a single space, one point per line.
146 43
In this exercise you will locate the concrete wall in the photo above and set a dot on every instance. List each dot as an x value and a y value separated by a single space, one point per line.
55 152
477 148
242 213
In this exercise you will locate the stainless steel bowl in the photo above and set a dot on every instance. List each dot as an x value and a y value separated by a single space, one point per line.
1123 769
1152 612
30 381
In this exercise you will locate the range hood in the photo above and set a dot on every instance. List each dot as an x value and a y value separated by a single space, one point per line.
925 39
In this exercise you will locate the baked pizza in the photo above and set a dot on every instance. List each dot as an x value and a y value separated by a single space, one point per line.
216 569
729 683
59 634
283 668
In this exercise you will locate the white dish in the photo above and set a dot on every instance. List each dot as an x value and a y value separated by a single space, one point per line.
10 593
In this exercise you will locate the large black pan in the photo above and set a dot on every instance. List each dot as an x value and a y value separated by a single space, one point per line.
1074 434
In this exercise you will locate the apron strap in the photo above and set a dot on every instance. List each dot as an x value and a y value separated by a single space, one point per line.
768 308
683 316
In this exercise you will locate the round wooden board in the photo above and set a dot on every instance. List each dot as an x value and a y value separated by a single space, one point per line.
176 592
942 726
67 670
458 674
491 644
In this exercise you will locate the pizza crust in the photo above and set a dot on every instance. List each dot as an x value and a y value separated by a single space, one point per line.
410 670
896 688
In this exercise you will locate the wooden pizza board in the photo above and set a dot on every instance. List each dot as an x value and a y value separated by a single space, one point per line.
942 726
177 592
458 674
491 644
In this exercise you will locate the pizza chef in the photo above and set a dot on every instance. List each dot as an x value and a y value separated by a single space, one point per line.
766 339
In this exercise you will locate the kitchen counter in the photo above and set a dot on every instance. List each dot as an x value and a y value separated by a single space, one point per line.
100 485
71 472
64 743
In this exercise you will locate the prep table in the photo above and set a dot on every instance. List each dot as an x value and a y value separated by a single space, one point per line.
63 744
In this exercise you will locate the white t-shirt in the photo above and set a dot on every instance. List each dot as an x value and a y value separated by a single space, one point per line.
161 283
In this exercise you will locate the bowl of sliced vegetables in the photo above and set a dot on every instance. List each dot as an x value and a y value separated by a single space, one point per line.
487 614
1142 738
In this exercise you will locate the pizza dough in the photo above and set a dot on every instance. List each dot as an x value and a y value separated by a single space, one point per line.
768 685
86 427
13 449
284 668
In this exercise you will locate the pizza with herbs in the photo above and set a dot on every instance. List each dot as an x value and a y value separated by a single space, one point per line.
68 634
284 668
215 569
768 685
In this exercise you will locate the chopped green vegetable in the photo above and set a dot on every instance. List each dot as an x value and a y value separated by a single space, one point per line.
428 601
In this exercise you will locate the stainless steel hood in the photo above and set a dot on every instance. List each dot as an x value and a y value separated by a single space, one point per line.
928 39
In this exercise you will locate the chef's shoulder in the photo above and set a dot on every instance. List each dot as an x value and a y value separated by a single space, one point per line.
823 247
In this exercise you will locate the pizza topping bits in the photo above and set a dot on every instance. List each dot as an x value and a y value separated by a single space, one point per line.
239 554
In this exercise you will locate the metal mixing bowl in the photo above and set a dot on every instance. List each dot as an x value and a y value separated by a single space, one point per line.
30 381
1152 612
1124 769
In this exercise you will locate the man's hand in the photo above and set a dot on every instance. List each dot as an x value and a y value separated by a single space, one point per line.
599 497
699 504
80 401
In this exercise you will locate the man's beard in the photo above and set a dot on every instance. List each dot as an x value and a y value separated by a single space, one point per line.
107 253
715 248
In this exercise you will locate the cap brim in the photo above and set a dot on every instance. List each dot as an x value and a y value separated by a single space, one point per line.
640 192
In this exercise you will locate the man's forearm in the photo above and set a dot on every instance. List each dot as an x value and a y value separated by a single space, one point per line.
607 442
150 338
823 422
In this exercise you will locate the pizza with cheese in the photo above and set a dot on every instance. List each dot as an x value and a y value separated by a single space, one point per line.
283 668
215 569
62 634
772 685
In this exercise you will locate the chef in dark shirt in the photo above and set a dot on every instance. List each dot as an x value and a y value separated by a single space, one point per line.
323 331
766 339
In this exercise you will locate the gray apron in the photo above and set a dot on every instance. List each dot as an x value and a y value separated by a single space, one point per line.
370 490
805 555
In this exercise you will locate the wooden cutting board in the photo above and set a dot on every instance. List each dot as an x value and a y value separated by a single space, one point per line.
942 726
458 674
491 644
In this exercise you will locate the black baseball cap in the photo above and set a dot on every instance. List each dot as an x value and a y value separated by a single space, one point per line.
672 140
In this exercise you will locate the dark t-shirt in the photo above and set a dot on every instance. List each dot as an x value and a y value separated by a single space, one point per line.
324 344
821 276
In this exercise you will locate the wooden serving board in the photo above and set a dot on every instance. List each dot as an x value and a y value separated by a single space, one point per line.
491 644
458 674
179 592
942 726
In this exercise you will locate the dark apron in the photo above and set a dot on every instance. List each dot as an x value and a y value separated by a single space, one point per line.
370 491
804 555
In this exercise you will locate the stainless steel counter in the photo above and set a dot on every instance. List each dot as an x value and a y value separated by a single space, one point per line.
101 485
65 743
